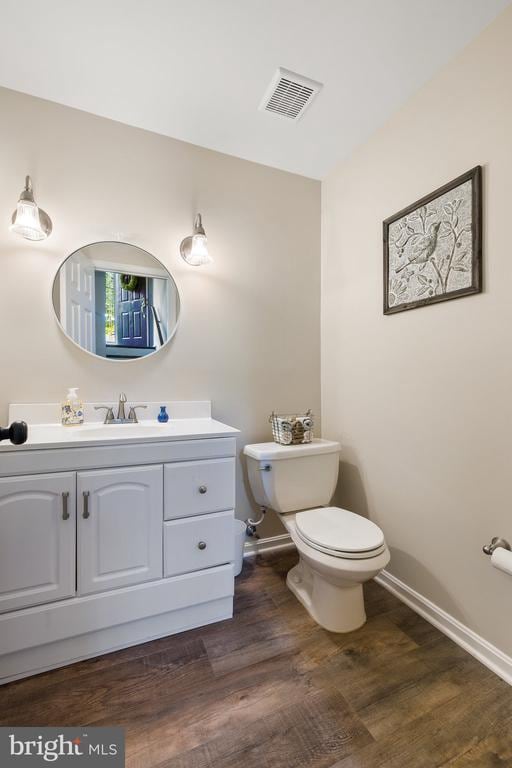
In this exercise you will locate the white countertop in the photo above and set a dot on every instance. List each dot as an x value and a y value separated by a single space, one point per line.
189 420
42 436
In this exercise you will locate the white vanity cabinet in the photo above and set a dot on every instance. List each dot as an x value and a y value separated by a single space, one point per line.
108 542
37 539
119 527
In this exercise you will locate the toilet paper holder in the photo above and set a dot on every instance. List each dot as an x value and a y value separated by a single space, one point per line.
496 542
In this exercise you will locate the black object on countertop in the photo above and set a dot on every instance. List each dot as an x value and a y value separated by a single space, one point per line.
17 433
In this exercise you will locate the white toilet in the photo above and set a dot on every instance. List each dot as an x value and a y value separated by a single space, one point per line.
338 549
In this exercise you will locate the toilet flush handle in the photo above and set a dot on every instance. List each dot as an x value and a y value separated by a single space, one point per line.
496 542
265 468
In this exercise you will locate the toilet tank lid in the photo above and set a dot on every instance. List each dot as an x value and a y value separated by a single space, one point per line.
275 451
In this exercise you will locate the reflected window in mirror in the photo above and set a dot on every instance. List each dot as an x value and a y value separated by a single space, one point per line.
116 300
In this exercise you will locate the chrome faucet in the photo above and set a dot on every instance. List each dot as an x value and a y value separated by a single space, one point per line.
121 417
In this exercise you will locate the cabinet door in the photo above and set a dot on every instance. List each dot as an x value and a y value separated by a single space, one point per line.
37 539
120 515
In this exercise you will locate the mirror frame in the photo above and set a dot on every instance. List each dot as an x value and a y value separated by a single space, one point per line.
93 354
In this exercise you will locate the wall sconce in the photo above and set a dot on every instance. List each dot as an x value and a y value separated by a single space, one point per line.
28 220
193 248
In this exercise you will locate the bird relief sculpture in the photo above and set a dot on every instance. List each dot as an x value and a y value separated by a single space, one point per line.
430 249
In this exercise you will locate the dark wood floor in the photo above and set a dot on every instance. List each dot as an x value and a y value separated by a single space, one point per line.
271 689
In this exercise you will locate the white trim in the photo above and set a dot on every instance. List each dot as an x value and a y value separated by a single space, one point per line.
477 646
269 544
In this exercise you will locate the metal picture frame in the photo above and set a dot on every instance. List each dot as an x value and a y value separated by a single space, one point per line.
433 247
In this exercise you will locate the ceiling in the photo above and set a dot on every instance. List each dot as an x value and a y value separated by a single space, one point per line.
197 69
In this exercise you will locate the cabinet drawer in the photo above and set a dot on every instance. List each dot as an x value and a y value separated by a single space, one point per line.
198 487
202 542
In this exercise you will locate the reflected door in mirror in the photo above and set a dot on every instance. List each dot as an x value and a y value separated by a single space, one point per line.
77 300
132 318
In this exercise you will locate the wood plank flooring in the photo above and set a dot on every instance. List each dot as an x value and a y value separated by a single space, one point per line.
271 689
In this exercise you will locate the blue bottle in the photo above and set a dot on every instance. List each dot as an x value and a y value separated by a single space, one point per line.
163 416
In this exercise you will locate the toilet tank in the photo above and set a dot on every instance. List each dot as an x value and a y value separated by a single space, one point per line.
287 478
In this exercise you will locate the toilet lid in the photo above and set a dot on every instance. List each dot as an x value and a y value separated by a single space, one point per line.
338 530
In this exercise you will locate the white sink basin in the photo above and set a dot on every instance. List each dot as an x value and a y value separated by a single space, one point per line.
113 431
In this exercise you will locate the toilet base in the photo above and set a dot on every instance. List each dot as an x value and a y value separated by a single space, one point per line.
336 607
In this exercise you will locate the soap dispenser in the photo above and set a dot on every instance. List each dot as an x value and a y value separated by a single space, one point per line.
72 409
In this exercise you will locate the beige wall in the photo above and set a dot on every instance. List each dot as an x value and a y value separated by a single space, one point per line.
422 400
249 332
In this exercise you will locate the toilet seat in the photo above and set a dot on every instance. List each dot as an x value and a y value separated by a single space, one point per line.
340 533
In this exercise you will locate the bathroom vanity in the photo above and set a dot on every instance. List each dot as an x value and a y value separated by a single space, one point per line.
112 535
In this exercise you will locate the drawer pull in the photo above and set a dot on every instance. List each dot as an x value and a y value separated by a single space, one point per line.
202 489
86 513
201 545
65 513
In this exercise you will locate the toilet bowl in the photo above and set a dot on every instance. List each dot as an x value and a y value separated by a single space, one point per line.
338 550
328 581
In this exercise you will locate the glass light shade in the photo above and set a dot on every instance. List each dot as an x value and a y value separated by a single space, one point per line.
26 221
198 251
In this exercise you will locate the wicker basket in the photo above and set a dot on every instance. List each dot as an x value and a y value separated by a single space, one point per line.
292 429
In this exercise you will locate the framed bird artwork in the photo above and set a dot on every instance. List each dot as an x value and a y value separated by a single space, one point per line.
433 248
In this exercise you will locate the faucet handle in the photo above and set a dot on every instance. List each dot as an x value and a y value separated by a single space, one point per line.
122 397
109 416
132 413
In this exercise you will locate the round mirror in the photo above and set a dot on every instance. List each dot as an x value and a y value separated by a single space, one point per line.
116 300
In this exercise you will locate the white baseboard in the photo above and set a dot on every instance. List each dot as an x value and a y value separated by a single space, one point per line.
477 646
270 544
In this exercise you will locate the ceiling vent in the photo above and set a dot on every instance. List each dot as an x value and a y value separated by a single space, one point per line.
289 94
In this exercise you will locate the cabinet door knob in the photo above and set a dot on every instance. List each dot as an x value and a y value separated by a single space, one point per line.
86 513
202 489
65 497
201 545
